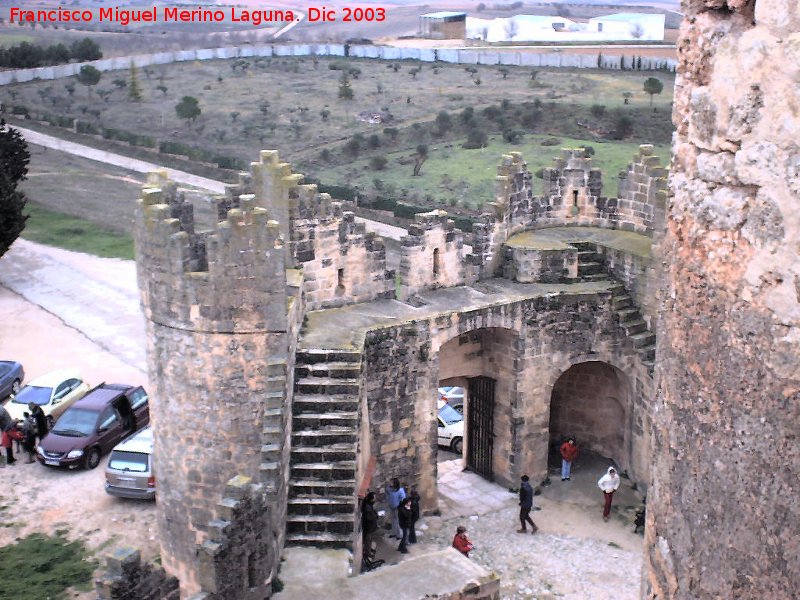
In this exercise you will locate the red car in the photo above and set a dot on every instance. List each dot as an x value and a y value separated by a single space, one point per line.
94 425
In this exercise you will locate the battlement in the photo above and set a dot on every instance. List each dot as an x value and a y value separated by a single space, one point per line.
432 254
231 279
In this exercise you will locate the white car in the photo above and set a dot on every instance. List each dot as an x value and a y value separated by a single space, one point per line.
55 392
454 396
451 427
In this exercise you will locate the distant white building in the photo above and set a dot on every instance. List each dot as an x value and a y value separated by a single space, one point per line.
629 26
539 28
517 28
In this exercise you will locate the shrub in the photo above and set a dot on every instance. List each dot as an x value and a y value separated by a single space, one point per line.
476 138
598 110
378 163
553 141
623 127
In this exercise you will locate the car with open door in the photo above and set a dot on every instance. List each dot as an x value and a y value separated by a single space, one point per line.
11 377
94 425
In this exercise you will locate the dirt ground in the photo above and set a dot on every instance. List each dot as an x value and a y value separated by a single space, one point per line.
39 499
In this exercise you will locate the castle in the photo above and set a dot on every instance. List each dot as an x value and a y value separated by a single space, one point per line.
292 370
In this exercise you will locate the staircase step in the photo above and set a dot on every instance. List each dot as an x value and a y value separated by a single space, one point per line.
310 488
340 505
336 471
309 420
595 277
649 352
324 540
270 452
589 268
323 454
326 385
324 437
633 327
627 315
311 356
640 340
337 370
341 524
620 302
322 403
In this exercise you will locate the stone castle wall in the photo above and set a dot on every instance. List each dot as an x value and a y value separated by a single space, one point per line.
723 512
527 345
571 195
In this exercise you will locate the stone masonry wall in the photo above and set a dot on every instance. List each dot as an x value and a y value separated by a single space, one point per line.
527 345
128 578
431 255
571 196
723 512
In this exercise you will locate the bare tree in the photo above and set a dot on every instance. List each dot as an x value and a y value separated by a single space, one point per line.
512 29
637 30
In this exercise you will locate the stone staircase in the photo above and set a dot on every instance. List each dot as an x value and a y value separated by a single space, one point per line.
591 268
322 506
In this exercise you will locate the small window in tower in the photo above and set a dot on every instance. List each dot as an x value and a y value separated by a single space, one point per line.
340 282
436 265
575 198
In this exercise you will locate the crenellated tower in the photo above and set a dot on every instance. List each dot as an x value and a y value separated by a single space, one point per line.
216 313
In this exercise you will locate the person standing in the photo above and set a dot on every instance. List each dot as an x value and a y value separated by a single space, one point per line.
461 541
394 496
609 484
369 523
6 425
412 533
569 452
404 517
29 439
41 420
525 506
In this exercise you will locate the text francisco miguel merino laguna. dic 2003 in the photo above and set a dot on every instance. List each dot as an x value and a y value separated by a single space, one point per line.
167 14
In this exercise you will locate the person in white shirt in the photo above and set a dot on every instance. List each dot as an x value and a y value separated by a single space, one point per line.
609 484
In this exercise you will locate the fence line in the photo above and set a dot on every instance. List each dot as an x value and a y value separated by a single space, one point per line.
454 56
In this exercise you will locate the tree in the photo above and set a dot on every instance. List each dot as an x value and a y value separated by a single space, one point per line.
653 86
163 89
70 87
512 29
626 96
345 89
324 113
419 159
14 157
89 76
504 71
378 163
443 122
597 110
120 83
188 108
637 30
85 49
134 89
623 127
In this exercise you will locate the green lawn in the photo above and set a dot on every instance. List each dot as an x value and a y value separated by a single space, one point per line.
63 231
466 177
10 39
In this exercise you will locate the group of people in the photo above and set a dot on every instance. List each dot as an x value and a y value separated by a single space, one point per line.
22 432
404 508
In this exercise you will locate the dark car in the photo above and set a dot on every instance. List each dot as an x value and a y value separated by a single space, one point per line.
11 378
94 425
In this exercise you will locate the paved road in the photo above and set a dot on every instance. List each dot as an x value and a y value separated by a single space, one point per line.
181 177
98 297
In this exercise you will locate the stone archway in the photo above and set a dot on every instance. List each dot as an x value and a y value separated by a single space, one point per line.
592 402
486 353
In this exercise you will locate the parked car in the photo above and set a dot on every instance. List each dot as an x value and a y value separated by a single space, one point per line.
451 427
55 392
94 425
454 396
129 473
11 377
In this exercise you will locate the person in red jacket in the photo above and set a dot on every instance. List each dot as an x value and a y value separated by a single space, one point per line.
569 452
461 541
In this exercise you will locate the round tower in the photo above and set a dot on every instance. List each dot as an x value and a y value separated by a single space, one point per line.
216 311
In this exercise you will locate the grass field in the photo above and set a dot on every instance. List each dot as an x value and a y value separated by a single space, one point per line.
465 178
71 233
293 105
9 39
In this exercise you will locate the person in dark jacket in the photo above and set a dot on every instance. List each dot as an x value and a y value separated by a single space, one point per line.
404 517
525 506
29 439
412 532
369 523
41 420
